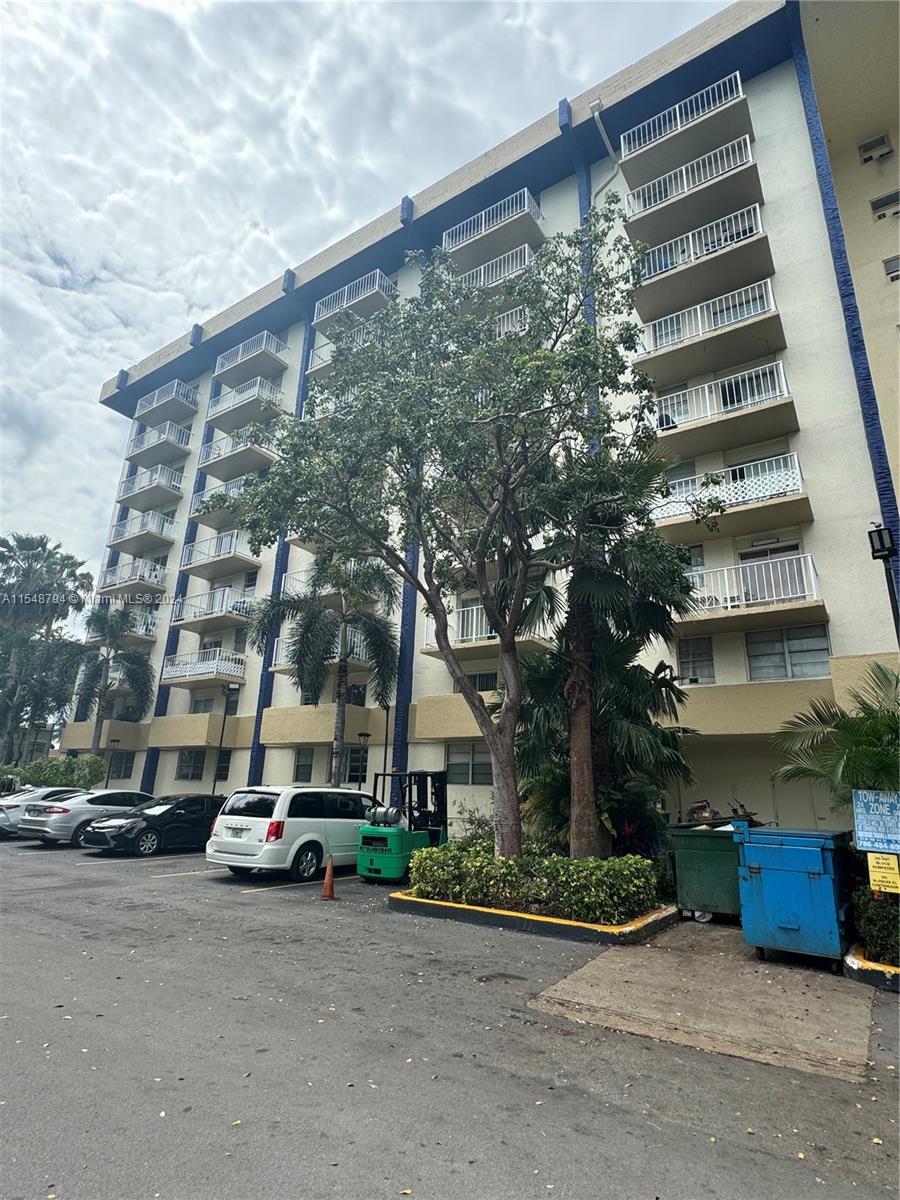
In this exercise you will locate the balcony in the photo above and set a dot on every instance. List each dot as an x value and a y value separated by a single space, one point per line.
765 494
363 297
251 402
725 180
151 489
224 554
294 583
145 533
727 253
717 114
242 453
313 724
495 231
738 327
739 410
167 443
199 731
355 652
145 629
514 321
203 668
219 517
175 401
222 608
320 359
138 577
494 273
471 636
265 355
755 595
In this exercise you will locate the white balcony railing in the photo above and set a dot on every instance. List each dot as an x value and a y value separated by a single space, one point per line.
163 475
491 273
212 604
231 488
681 114
700 243
253 388
721 396
168 391
748 483
708 317
146 625
235 541
375 281
469 623
213 662
691 175
355 648
228 445
148 522
768 581
137 570
262 341
167 432
323 350
519 203
514 321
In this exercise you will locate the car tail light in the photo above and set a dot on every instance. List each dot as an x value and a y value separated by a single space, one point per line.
275 832
54 808
8 807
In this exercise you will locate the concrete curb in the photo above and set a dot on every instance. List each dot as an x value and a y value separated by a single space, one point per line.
880 975
637 930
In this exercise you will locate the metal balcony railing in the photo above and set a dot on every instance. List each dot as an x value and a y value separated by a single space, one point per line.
148 522
167 432
252 388
721 396
235 541
494 272
375 281
513 206
216 661
514 321
681 114
153 475
228 445
700 243
211 604
147 624
176 388
708 317
691 175
262 341
469 623
232 488
748 483
355 648
768 581
137 570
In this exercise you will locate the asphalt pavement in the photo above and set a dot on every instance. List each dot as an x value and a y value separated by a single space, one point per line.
170 1032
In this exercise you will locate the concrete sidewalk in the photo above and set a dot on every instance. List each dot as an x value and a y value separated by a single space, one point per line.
701 986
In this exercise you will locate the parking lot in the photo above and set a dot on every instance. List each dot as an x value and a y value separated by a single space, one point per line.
173 1032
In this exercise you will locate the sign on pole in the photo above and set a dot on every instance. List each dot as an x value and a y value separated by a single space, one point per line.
876 819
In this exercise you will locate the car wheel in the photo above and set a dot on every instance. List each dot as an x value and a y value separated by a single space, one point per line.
77 838
146 843
307 863
242 872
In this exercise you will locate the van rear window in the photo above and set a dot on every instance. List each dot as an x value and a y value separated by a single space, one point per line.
251 804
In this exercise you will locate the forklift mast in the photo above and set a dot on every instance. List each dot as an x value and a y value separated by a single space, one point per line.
420 795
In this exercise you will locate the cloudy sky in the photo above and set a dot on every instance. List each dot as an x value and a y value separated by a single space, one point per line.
160 160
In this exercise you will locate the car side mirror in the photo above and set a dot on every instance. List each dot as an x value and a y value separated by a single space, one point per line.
179 812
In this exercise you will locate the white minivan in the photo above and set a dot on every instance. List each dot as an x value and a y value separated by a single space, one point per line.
280 828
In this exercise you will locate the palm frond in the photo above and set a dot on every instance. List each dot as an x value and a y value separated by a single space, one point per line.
382 649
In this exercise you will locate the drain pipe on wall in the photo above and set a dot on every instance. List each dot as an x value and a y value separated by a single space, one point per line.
596 109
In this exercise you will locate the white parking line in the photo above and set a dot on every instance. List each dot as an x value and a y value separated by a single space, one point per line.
172 874
308 883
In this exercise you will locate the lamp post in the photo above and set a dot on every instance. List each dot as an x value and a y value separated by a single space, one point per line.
109 762
387 724
363 743
883 547
228 689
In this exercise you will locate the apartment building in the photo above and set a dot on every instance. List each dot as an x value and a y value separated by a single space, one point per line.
752 316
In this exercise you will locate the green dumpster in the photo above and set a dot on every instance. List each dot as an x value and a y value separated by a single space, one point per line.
706 869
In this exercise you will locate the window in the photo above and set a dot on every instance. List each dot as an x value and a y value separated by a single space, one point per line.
886 206
469 763
223 765
800 653
303 764
307 804
341 807
192 806
250 579
356 694
250 804
875 148
356 764
695 660
211 643
482 681
202 704
121 764
231 701
191 764
892 268
240 640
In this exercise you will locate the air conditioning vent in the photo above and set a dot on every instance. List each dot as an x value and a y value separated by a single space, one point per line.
892 268
876 148
886 206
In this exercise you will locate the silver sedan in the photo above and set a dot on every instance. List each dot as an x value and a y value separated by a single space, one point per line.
65 819
12 805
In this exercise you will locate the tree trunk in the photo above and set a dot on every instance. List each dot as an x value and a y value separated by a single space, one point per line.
97 736
603 784
584 825
340 711
507 817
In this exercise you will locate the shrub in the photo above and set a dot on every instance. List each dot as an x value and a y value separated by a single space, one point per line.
876 916
601 891
83 772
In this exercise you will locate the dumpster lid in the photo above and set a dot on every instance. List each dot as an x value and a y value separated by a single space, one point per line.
764 835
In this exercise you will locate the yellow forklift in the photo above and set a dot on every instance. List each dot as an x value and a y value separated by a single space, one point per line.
410 812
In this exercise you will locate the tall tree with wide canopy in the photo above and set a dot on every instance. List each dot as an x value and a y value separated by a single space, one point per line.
108 628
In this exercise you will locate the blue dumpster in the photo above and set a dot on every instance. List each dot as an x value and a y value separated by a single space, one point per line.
791 884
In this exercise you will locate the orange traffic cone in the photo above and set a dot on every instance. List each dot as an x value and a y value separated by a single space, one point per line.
328 885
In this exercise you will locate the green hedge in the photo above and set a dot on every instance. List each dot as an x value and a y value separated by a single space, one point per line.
602 891
877 920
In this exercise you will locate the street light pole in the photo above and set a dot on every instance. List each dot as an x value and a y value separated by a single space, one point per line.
227 690
363 743
109 762
883 547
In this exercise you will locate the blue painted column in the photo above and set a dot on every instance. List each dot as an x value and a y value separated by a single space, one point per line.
582 180
400 755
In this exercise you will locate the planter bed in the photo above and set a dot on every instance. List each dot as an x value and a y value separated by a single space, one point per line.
880 975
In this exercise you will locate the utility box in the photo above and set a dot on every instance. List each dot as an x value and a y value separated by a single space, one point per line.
792 889
706 868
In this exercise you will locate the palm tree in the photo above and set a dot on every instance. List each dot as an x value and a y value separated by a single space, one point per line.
356 624
108 627
48 671
847 748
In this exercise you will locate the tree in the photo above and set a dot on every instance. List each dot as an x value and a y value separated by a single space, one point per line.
86 771
356 625
845 748
47 669
428 445
108 628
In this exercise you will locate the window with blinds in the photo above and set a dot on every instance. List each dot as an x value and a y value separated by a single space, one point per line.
800 653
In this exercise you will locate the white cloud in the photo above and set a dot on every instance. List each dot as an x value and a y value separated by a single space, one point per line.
161 160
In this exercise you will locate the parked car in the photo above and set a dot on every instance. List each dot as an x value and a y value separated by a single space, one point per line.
287 829
167 823
67 818
12 805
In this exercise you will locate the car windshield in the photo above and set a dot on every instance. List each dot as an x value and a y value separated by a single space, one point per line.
158 804
251 804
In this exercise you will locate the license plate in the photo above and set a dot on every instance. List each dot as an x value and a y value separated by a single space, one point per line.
236 833
34 812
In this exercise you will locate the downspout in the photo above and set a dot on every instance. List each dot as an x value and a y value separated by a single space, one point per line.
596 109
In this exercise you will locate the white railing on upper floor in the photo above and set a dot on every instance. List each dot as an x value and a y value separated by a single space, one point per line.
231 488
136 570
514 321
766 581
167 432
730 394
708 317
723 91
748 483
234 541
375 281
691 175
700 243
518 204
262 341
491 273
148 522
252 389
183 391
228 445
215 661
166 476
211 604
